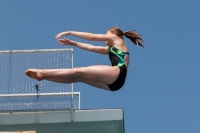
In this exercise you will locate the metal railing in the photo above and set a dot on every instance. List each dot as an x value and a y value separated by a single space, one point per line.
17 91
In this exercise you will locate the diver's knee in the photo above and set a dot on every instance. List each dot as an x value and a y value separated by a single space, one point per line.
77 74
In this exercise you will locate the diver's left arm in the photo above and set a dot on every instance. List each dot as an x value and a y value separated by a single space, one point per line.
87 36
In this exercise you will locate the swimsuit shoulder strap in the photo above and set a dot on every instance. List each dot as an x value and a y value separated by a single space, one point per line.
116 49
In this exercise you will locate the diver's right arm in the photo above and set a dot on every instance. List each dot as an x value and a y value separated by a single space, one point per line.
85 46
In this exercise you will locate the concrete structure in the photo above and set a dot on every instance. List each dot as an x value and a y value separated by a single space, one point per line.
64 121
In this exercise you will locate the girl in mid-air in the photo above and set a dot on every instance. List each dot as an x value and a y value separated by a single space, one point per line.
106 77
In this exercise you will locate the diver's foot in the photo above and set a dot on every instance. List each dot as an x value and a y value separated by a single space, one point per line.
35 74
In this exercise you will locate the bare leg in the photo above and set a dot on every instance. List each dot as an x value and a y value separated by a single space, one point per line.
86 81
59 80
96 74
60 75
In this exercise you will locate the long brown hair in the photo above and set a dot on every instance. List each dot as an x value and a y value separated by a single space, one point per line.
132 35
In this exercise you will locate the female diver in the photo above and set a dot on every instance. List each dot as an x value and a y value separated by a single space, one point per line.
106 77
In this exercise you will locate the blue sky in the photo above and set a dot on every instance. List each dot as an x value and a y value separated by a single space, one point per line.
162 90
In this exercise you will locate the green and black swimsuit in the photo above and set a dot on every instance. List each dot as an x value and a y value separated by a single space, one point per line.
117 59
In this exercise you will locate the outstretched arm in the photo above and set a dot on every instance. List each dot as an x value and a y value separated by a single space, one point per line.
88 36
84 46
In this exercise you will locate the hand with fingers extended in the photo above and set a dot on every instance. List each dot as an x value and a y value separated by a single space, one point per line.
66 42
66 33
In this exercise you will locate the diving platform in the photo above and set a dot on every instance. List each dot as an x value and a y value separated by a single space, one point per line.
64 121
29 106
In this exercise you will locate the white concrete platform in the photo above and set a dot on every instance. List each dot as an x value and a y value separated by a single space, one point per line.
64 121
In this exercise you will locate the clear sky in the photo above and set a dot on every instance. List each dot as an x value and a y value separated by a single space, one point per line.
162 90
